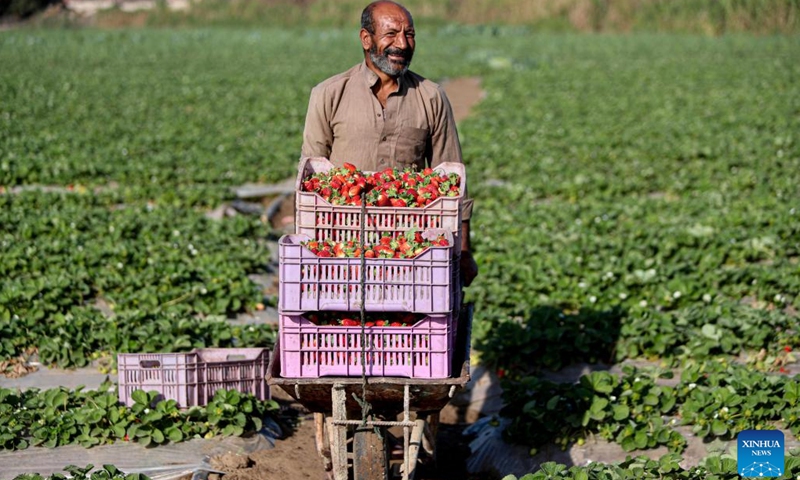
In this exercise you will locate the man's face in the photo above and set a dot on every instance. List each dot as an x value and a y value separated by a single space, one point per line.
392 45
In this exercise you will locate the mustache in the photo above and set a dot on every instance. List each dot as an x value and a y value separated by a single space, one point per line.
397 51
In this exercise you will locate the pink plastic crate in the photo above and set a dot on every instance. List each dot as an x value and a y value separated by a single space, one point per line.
423 350
192 378
424 284
319 219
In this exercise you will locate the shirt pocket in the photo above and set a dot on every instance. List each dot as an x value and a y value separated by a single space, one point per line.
411 145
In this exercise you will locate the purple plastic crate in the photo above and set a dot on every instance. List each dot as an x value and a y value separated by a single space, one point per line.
192 378
321 220
423 350
424 284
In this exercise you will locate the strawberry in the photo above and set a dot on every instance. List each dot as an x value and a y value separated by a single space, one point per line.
383 200
398 202
350 167
349 322
355 190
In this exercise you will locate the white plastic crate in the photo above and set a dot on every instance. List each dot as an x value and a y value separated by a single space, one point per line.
320 220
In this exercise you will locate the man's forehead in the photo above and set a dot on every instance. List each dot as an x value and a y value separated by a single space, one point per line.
388 16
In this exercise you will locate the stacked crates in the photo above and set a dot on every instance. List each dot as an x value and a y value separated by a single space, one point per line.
427 284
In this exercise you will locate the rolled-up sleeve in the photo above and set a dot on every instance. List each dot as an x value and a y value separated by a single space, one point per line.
445 146
317 133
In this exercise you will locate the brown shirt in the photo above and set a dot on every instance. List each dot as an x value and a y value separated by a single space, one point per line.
347 123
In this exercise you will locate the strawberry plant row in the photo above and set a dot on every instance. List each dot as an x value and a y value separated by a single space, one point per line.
637 411
661 218
107 472
56 417
715 467
150 265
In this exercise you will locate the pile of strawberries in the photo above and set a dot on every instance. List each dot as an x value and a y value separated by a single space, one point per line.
391 187
353 319
402 246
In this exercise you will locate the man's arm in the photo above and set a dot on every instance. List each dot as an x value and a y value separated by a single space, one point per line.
445 147
317 133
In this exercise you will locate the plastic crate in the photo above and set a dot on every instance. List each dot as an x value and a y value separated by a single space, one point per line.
319 219
423 350
192 378
424 284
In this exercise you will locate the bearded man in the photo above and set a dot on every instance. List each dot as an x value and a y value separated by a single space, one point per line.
379 114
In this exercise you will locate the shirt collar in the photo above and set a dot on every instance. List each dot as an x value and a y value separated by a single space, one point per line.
371 78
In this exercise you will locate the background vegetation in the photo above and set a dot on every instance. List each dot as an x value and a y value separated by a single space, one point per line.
710 17
637 197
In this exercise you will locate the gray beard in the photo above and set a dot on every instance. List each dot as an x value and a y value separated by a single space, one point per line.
384 65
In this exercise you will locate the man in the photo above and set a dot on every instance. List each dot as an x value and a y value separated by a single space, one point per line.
379 114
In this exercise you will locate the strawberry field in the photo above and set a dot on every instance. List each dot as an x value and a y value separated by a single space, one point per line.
636 198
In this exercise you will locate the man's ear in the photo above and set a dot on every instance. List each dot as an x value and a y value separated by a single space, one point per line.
366 39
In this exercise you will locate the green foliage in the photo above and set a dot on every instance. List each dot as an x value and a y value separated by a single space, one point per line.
629 410
56 417
170 276
107 472
638 411
721 467
24 8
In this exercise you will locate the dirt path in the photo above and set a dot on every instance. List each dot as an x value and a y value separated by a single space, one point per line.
464 93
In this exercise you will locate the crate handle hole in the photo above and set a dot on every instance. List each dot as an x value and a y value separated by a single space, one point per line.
150 364
236 357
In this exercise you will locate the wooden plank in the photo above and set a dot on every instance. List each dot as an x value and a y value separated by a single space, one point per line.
338 433
323 448
369 455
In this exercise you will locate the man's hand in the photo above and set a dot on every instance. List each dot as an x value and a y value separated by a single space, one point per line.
469 268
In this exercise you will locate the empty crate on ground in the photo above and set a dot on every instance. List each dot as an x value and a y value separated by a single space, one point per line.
192 378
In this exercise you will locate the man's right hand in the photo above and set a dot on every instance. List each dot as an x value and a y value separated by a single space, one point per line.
469 268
